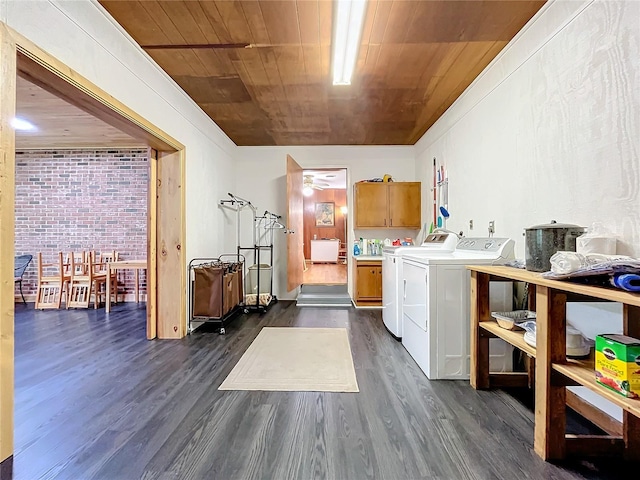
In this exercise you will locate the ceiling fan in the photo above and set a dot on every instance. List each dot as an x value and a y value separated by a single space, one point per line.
309 183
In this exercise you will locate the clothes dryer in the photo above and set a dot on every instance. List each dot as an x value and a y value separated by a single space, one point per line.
435 312
392 284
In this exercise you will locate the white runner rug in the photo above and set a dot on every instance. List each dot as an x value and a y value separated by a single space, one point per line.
296 359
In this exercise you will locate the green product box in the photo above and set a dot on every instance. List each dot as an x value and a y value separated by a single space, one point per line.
618 364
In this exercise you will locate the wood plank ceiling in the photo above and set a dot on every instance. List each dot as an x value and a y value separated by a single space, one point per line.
267 78
62 125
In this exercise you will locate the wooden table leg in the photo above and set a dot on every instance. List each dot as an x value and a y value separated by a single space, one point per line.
479 348
631 423
550 413
107 302
137 287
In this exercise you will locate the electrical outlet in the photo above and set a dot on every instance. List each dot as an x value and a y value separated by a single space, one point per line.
492 227
470 224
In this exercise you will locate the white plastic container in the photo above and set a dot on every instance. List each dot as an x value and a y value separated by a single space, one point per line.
251 283
604 245
597 239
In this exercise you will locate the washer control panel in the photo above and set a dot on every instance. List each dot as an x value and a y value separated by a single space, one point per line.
481 244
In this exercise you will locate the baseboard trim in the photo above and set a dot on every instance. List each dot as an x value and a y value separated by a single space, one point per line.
6 468
129 297
346 305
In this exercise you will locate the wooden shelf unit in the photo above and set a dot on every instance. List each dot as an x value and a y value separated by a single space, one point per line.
553 370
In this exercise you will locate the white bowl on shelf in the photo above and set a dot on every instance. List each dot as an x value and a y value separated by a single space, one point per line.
577 345
509 320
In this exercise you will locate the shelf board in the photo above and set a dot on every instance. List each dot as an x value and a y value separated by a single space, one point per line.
514 337
583 372
510 273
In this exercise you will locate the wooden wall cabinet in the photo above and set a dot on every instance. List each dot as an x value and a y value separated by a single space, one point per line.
368 282
387 205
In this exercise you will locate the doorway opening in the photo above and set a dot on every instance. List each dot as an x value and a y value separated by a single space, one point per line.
166 317
317 214
325 276
325 227
81 190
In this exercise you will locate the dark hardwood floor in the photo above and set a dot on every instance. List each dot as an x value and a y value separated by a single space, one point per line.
96 400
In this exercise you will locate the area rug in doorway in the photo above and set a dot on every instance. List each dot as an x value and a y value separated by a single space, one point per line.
294 359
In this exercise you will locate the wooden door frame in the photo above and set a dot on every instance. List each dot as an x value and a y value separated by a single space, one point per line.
18 55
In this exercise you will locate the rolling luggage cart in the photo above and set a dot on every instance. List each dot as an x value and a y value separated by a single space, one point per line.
215 290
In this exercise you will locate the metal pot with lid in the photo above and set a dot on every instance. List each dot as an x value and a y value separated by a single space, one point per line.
542 241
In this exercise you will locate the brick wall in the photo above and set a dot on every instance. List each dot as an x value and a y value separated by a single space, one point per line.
74 200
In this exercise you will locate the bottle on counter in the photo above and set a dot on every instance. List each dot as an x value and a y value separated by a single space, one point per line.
356 248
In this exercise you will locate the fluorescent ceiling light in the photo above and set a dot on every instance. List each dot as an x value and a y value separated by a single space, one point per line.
349 21
21 124
307 191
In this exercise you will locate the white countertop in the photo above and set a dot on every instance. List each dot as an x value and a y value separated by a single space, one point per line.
368 257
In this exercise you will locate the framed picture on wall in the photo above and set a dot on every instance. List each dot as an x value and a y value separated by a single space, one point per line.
325 214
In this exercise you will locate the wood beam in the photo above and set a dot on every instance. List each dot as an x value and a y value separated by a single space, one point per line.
169 256
581 446
480 311
596 416
550 399
152 243
7 228
509 380
631 423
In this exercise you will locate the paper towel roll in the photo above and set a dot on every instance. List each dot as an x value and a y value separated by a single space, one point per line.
605 245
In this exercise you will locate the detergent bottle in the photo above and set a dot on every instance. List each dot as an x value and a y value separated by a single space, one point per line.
356 248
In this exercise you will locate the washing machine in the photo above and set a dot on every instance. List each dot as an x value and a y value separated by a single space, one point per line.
392 284
436 304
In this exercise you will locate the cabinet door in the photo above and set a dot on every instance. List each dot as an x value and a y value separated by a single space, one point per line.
371 204
368 282
405 205
379 283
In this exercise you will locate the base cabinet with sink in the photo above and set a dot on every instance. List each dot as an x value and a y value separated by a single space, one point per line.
368 282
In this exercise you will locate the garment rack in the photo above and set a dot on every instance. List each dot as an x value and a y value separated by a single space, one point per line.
263 230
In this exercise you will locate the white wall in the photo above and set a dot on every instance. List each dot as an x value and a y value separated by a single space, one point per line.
550 130
83 36
261 178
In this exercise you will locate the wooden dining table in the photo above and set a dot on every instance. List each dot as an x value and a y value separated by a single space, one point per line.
136 265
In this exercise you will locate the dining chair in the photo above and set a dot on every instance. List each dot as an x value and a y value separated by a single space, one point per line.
105 258
53 280
20 264
85 280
